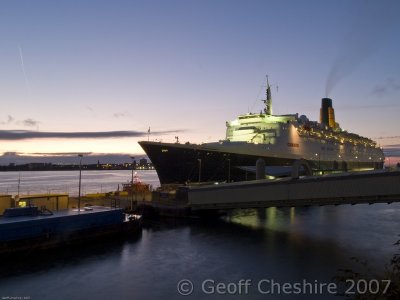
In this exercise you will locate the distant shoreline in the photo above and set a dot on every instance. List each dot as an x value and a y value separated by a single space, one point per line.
74 167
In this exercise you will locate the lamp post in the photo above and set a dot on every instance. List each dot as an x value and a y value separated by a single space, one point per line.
80 179
229 170
199 161
133 159
19 182
319 161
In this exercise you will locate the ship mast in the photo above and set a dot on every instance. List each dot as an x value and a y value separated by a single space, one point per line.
268 100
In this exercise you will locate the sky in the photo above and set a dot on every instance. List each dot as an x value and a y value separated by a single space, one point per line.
94 76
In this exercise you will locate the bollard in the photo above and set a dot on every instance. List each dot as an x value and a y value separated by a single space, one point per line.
260 169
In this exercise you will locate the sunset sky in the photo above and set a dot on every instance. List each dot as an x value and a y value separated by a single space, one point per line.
184 68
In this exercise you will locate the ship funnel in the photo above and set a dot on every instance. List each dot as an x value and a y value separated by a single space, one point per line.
327 113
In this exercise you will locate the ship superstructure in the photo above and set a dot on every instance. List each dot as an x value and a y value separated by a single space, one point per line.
278 139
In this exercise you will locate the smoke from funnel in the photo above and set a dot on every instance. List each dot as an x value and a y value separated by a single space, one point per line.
370 26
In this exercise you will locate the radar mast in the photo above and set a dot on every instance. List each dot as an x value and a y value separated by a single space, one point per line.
268 100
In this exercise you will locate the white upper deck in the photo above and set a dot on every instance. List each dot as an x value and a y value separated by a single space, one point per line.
266 128
257 128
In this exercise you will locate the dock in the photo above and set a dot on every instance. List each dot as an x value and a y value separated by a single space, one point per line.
378 186
334 189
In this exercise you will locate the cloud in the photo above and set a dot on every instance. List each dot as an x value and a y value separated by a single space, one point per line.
27 122
391 150
10 119
27 134
66 158
367 106
391 147
388 87
121 115
387 137
30 122
11 153
56 154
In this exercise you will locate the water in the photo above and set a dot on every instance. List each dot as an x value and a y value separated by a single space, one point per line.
36 182
286 245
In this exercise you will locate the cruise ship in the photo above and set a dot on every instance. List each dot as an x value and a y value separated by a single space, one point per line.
279 140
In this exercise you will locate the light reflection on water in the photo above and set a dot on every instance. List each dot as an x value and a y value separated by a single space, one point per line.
284 244
374 228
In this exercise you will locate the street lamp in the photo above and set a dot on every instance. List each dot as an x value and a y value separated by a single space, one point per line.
229 170
133 159
199 161
80 179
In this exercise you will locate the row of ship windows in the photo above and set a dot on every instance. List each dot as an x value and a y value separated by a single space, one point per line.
355 152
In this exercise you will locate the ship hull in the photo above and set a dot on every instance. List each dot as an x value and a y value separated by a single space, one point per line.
185 163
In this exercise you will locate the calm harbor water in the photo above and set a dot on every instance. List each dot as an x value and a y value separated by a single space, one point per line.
286 245
36 182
